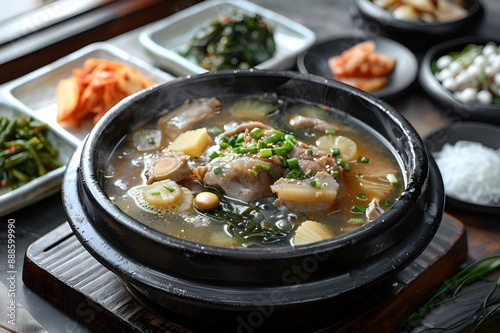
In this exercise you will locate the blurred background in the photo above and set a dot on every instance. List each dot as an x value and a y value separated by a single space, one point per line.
34 33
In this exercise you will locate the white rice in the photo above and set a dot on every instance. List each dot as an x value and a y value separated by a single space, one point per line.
471 172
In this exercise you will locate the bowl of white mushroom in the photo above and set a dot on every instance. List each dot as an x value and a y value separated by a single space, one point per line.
416 22
463 75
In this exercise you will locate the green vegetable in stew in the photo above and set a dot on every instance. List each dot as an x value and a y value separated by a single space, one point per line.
260 220
25 152
232 42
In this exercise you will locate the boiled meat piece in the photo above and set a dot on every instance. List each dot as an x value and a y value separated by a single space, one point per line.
374 210
233 175
185 116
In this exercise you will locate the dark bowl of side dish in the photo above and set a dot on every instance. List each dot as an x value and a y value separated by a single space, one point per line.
211 286
488 135
315 60
453 108
416 33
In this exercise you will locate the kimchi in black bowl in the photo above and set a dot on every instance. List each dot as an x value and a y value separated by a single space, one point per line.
232 195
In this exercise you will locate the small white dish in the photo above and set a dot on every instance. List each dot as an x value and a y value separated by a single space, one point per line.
164 39
35 93
43 186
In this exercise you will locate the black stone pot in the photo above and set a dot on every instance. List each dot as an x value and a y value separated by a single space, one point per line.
225 287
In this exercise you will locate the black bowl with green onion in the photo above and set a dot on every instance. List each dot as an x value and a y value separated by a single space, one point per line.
199 285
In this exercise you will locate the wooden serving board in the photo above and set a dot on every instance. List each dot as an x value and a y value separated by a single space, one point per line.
57 267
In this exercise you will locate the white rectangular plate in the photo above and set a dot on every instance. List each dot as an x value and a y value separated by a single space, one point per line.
43 186
35 93
164 39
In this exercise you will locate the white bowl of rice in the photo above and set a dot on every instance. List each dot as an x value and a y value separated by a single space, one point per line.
468 157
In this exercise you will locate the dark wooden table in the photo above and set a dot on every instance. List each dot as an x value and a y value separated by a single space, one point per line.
327 18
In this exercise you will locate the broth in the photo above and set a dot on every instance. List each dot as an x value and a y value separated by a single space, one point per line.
370 174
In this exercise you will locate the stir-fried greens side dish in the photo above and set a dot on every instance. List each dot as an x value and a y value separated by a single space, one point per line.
253 171
25 151
234 41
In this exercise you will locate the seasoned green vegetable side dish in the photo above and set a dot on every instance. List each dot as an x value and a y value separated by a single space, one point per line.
253 171
25 152
232 42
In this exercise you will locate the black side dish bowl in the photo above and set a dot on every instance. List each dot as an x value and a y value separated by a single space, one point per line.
453 109
416 34
200 286
486 134
315 61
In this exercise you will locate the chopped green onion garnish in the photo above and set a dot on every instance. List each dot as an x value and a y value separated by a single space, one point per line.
240 137
215 130
363 159
168 188
288 145
336 174
272 173
315 184
355 220
223 145
361 196
290 137
344 165
310 133
292 163
151 140
248 149
256 133
308 173
154 192
232 140
275 138
267 141
217 170
357 209
335 152
266 152
392 178
215 154
295 174
280 151
330 132
254 173
309 152
279 133
386 203
263 166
